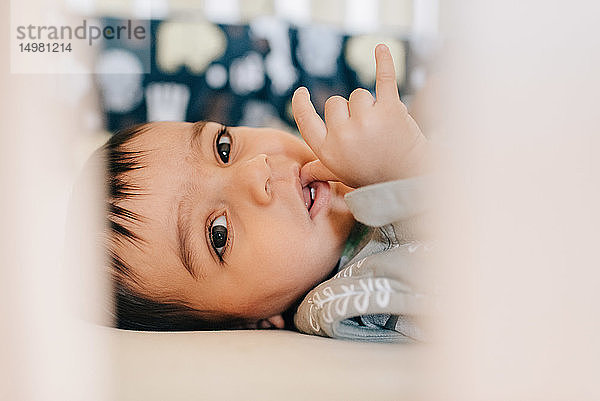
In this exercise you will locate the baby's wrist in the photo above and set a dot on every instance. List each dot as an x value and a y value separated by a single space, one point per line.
417 162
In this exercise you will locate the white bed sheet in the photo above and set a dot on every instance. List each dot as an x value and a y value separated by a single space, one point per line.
261 365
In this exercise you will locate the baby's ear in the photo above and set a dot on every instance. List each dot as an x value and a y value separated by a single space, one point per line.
274 322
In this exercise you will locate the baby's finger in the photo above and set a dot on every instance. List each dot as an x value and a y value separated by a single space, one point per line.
360 101
316 171
385 81
336 111
310 125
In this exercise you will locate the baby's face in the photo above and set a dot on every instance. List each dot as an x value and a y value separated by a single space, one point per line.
225 224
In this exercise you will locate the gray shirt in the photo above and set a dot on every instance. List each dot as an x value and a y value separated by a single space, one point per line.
379 291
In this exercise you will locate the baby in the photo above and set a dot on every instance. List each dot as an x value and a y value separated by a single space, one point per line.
228 227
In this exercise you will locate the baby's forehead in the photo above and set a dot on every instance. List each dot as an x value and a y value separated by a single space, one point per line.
159 148
168 164
158 135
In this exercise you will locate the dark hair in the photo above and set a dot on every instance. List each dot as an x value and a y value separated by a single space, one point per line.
132 310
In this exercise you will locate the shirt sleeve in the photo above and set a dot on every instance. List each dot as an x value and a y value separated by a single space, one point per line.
388 202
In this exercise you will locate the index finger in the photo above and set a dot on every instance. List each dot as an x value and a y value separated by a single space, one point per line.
385 81
310 125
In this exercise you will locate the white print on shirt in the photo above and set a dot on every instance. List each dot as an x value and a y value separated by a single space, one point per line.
336 305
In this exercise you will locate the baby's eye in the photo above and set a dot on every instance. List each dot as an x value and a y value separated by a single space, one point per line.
218 234
224 146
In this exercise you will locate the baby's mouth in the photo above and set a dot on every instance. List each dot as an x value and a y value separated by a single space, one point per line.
316 197
309 193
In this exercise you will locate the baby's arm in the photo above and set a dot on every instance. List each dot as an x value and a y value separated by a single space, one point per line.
363 140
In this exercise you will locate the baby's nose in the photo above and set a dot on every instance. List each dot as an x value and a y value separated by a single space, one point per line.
256 177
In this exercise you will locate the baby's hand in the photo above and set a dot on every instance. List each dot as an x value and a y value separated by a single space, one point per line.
363 141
